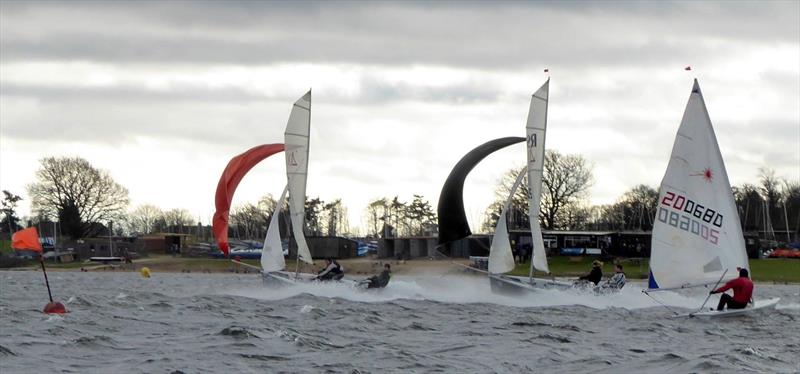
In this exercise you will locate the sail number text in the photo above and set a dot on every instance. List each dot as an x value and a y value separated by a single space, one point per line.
685 214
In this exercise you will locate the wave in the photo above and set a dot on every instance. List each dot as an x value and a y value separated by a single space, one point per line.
471 289
788 306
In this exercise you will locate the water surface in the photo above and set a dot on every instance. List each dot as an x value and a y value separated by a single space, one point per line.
211 323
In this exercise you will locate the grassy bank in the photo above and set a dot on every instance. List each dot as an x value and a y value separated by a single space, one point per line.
766 270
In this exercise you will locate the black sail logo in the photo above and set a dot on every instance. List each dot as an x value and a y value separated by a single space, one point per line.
532 144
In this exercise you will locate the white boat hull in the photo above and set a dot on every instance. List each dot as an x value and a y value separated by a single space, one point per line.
285 278
514 285
757 305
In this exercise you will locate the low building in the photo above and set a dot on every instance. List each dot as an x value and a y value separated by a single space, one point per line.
568 243
327 246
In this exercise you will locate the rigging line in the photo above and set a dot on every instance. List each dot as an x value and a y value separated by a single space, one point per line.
662 304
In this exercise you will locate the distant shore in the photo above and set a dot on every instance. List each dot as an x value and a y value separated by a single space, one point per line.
169 264
766 270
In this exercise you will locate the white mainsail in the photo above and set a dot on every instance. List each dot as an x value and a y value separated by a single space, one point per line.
501 258
535 133
296 143
696 234
272 251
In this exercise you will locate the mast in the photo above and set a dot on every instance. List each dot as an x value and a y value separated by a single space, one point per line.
110 242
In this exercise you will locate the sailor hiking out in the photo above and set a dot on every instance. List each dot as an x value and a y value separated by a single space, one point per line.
332 271
380 280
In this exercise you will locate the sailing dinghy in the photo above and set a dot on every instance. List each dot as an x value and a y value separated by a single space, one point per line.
501 258
296 143
296 150
697 240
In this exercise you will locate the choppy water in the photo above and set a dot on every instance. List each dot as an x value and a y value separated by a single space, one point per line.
214 323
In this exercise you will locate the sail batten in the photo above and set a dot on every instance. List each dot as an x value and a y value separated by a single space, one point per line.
696 233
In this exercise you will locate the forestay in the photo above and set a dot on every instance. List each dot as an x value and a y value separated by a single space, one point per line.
501 258
296 143
696 234
272 251
536 127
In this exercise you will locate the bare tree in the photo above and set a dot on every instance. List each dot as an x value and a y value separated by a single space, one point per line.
565 183
638 207
80 195
248 221
176 219
518 210
144 219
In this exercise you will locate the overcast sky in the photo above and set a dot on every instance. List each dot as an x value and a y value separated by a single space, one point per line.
163 94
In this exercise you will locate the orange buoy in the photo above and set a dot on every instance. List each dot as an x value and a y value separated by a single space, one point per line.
54 308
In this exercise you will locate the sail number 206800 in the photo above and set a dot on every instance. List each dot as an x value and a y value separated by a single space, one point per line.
688 215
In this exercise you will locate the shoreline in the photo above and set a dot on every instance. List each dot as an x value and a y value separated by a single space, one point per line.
168 264
358 267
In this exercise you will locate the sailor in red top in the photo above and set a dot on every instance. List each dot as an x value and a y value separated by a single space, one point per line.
742 292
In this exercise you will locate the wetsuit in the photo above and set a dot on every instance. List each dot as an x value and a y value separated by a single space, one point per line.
334 271
742 292
594 276
380 281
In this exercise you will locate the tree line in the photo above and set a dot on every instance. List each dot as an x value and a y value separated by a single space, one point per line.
85 200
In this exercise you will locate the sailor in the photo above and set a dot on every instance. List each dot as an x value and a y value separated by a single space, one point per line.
742 292
380 280
595 275
617 281
332 271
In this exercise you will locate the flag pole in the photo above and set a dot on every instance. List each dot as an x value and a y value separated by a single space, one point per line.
46 282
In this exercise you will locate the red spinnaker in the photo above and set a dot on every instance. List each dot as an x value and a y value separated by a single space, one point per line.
233 174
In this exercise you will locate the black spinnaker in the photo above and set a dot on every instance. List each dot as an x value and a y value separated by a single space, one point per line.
452 218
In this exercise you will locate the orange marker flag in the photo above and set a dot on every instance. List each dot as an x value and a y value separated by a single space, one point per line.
27 239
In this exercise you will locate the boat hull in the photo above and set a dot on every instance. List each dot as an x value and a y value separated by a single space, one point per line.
285 278
512 285
757 305
276 279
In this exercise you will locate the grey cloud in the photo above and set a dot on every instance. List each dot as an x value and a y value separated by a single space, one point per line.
372 91
480 35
